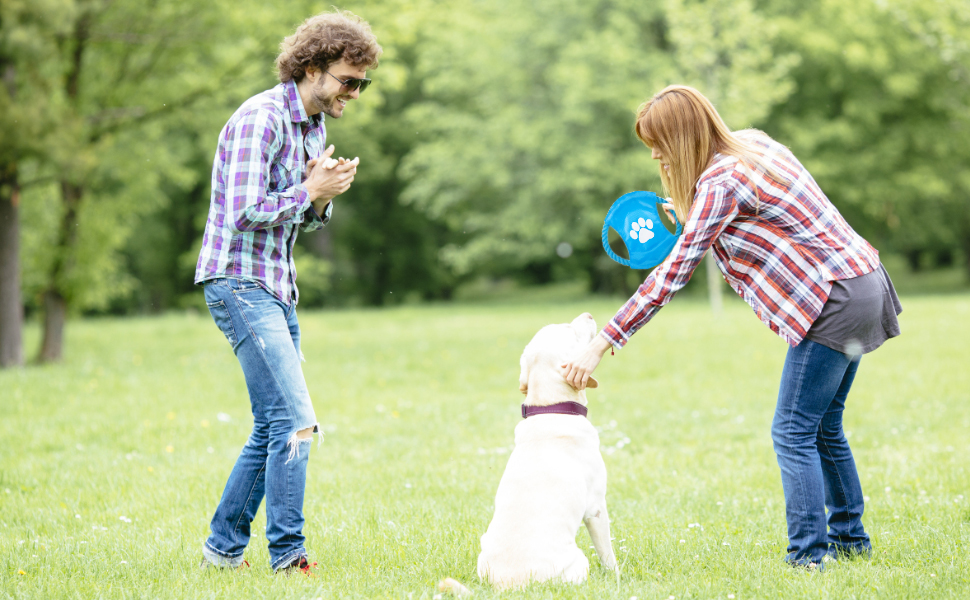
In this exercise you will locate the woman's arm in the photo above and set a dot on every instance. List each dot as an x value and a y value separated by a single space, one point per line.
714 207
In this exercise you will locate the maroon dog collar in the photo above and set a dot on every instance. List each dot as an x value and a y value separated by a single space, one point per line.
563 408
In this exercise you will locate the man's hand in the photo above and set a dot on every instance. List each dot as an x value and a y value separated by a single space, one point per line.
577 371
328 177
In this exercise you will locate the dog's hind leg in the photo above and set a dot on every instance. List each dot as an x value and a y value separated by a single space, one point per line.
598 525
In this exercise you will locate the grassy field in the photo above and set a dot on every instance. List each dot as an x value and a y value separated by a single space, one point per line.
111 463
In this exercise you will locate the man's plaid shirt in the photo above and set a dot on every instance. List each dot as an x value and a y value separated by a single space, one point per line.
779 246
258 196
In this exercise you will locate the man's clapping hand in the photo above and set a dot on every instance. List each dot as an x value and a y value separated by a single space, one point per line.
329 177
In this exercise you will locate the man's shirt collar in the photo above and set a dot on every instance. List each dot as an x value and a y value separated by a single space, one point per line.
295 105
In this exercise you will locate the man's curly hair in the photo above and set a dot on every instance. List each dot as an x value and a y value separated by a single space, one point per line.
323 40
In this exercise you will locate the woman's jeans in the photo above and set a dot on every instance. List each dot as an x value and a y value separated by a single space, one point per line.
265 336
817 469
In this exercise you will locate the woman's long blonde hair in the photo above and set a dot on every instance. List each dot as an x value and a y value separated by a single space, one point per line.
685 127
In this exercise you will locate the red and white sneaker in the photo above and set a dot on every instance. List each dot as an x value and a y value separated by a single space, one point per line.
299 565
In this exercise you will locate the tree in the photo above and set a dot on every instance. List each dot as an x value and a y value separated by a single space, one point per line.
533 108
122 67
714 51
27 31
381 250
879 116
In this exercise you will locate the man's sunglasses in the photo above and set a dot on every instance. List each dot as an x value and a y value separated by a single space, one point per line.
352 83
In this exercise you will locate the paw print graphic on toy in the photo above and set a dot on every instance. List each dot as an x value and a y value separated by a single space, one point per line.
641 230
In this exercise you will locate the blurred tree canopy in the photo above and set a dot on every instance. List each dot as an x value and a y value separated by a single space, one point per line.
493 141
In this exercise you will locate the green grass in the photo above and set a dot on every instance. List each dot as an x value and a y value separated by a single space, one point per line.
419 405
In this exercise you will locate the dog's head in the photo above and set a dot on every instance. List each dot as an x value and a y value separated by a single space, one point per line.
541 376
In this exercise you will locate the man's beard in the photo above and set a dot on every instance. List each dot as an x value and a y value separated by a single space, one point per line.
327 103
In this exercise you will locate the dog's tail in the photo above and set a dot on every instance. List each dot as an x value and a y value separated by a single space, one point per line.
453 587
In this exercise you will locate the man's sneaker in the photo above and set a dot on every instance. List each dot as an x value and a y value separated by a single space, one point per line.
299 565
206 563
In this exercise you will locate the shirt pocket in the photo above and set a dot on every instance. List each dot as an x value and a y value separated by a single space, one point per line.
286 172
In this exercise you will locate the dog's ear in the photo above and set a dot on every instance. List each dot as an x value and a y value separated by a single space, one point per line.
524 363
592 383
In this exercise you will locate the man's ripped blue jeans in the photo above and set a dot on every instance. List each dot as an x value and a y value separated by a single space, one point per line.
265 336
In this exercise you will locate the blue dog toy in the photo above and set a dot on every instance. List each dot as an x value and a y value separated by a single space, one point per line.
636 218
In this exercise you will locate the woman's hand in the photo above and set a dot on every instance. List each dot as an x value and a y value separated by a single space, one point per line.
577 371
668 207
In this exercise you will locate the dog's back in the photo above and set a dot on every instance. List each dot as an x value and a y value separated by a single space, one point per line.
555 478
545 493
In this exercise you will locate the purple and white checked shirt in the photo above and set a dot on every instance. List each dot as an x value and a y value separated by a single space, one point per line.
779 246
258 196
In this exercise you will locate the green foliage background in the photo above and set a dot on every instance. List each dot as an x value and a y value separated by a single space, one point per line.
495 132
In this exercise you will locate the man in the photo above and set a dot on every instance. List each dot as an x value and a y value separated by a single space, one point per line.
272 174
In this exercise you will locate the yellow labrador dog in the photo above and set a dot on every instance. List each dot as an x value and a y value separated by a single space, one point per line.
555 478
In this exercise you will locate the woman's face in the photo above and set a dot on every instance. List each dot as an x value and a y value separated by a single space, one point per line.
656 155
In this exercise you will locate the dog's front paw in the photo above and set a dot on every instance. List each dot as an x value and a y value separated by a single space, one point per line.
609 563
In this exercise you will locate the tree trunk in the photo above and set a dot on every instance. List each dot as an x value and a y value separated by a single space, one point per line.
56 298
11 306
55 315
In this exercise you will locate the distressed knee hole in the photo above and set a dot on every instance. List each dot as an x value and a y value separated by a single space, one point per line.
300 438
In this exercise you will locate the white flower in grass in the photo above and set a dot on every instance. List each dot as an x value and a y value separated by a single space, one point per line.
125 519
225 418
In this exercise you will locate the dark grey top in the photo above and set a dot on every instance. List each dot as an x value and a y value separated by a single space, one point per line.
859 315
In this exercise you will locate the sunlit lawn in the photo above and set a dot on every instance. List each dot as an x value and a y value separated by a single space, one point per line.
111 463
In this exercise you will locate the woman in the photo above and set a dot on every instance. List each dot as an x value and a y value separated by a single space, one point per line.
814 281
